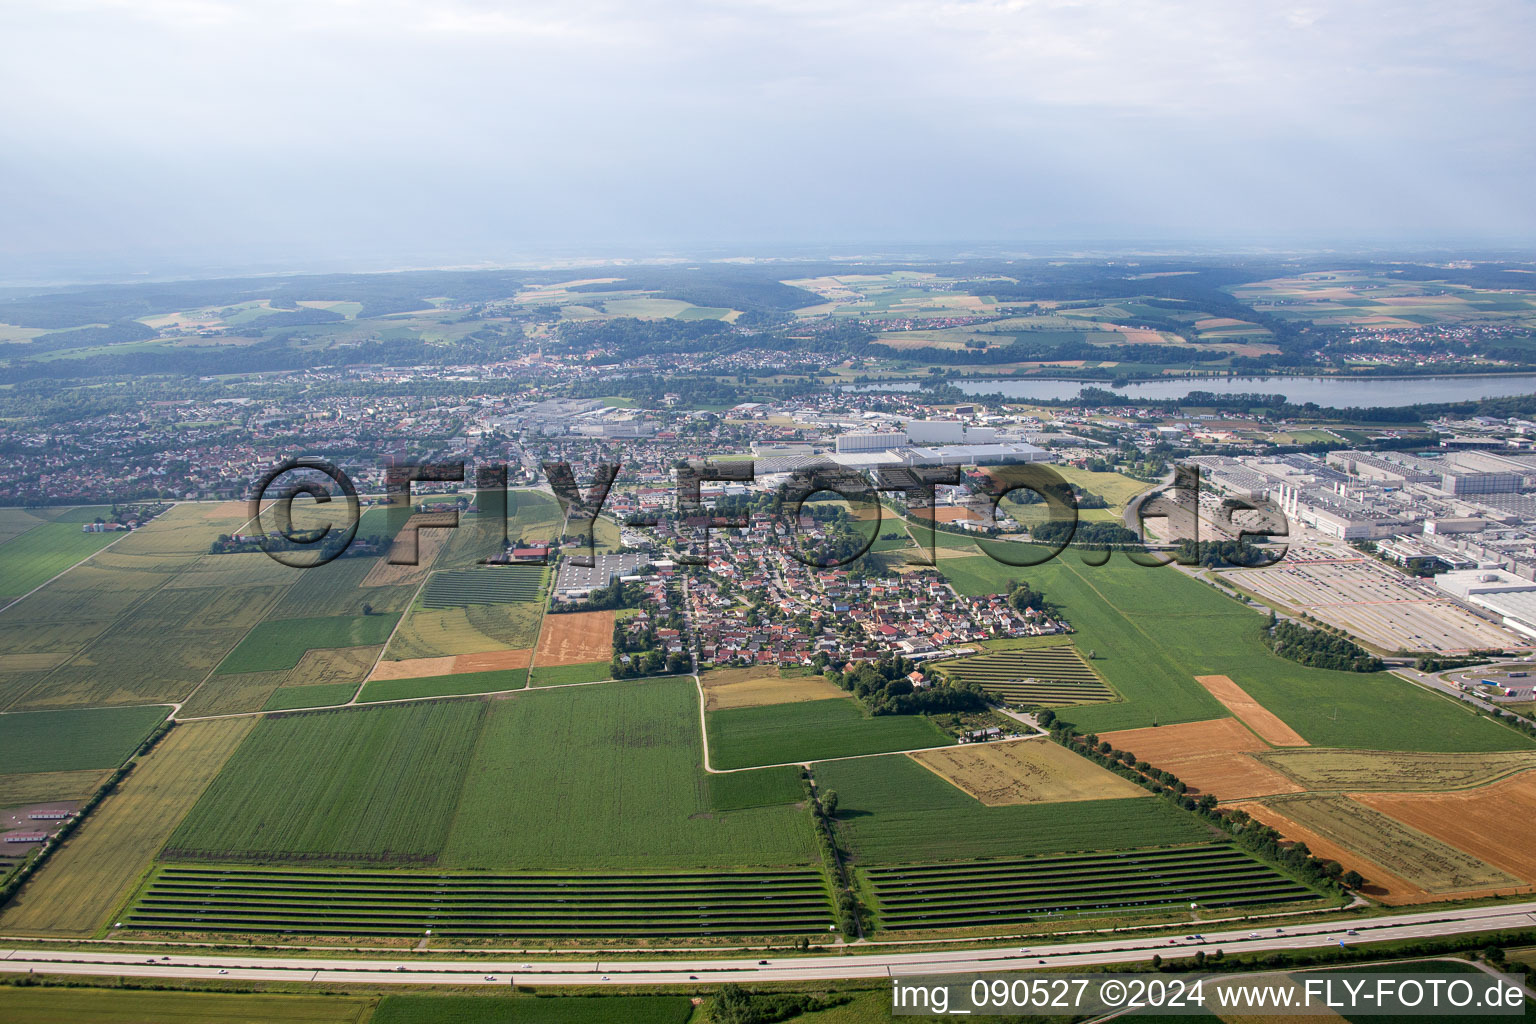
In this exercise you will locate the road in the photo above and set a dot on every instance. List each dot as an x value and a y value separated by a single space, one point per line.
412 970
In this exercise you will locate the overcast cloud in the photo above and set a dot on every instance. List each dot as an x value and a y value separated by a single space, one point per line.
316 130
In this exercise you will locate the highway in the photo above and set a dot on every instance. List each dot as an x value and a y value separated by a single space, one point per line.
413 970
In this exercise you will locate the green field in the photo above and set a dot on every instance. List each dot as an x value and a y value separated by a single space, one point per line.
1154 629
374 784
500 1009
280 643
892 810
1008 892
765 787
42 552
52 1005
500 584
58 741
559 675
445 686
812 731
542 906
597 777
289 698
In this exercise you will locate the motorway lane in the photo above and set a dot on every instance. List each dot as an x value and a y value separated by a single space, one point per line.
680 971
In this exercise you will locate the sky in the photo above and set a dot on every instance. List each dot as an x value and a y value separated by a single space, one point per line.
142 134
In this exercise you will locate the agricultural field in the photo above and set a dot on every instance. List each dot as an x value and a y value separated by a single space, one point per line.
324 695
564 675
1491 822
59 741
1054 676
486 661
503 1009
16 521
306 787
19 790
75 1005
1153 630
232 694
501 584
336 588
1360 298
75 893
892 810
575 638
756 687
133 625
1254 715
1220 757
282 643
607 777
766 787
1374 771
444 685
470 629
326 666
531 906
41 553
812 731
1015 891
1033 771
1430 863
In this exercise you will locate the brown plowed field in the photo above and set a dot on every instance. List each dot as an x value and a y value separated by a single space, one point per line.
1492 822
575 638
1257 717
1210 757
418 668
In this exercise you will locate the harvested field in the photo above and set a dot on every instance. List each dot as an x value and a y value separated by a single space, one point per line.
1032 771
1492 822
458 664
754 687
1375 771
87 877
1210 757
1255 715
1432 864
1380 884
575 638
1053 675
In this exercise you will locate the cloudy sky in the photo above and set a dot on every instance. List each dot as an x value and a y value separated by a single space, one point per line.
148 132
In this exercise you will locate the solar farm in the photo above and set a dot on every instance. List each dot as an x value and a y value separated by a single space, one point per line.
985 893
498 584
1041 675
569 906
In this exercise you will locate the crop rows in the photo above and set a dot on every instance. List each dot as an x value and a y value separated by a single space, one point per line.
502 584
1043 675
532 906
984 893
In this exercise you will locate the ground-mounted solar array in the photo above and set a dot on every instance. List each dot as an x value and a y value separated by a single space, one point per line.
1041 675
977 894
681 905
